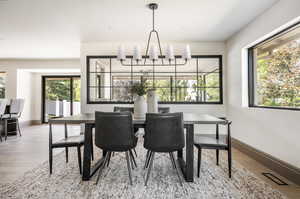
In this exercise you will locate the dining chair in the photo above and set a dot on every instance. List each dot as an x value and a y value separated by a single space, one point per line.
164 133
114 133
68 141
216 142
12 117
131 110
3 103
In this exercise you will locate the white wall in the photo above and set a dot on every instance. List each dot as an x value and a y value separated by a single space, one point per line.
23 83
276 132
202 48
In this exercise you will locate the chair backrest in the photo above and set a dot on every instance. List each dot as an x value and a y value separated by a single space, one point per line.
123 109
164 132
3 103
16 106
114 131
164 109
131 109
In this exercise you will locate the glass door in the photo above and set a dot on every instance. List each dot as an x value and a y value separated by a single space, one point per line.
61 96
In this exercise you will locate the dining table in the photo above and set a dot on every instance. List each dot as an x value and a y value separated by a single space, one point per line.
186 164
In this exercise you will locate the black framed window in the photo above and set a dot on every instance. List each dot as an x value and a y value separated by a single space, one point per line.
274 71
198 82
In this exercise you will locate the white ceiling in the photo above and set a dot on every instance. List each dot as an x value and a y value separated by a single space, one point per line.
55 28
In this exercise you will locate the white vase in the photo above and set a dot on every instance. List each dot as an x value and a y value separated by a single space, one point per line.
140 107
152 101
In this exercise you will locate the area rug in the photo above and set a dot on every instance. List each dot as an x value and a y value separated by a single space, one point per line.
65 182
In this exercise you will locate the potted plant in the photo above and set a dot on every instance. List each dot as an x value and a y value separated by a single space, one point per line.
139 90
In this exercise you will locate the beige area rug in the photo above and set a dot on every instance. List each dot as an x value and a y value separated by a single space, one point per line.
65 182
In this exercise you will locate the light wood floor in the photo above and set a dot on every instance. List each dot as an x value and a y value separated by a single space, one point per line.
20 154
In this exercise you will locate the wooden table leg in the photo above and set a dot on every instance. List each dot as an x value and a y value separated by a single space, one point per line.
190 153
187 167
87 152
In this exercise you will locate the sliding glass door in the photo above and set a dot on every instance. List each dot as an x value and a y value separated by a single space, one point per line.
60 96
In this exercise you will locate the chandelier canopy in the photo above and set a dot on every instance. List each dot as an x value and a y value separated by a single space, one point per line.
152 53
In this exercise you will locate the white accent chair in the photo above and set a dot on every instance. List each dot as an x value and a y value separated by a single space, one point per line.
15 111
3 103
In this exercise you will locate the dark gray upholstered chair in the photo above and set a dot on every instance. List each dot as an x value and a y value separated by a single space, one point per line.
131 109
164 133
216 142
69 141
114 133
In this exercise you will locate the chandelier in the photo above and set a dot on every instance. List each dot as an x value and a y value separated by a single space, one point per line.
152 53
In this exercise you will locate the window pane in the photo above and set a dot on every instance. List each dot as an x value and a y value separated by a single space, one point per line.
121 94
277 70
121 79
164 80
164 94
188 80
212 94
100 94
208 65
186 94
209 80
110 81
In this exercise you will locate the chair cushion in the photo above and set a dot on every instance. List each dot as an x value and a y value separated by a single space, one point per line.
70 141
210 141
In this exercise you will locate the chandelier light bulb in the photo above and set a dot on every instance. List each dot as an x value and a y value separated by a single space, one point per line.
121 53
153 53
170 53
187 53
137 53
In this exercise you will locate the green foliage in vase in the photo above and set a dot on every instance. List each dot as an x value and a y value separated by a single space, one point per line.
140 88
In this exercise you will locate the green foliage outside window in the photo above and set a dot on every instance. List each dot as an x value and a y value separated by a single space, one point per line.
278 77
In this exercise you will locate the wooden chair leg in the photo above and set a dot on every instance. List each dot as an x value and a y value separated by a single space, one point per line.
67 154
50 159
79 158
199 162
217 156
229 162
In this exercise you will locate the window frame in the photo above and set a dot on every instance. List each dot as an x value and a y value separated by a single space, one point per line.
89 57
251 75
